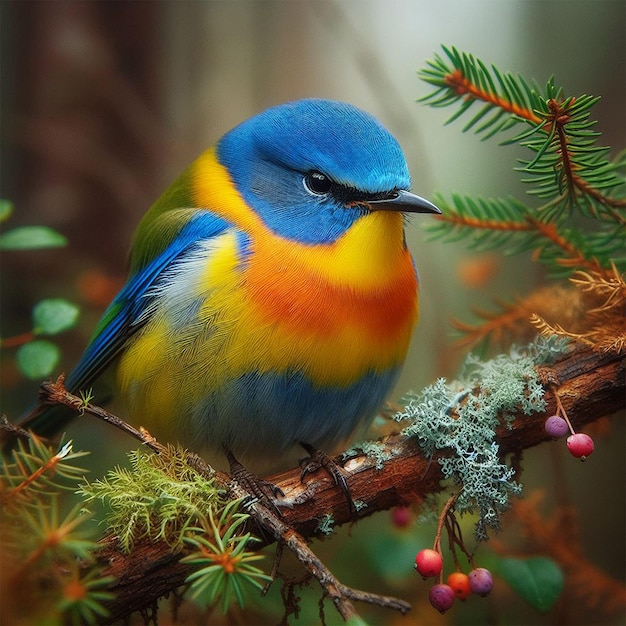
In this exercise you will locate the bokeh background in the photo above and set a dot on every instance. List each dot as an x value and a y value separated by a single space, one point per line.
103 103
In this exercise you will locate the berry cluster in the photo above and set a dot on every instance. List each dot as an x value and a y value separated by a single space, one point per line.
557 426
429 563
459 586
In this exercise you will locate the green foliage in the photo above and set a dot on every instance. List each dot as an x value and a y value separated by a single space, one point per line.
461 74
31 238
27 237
54 315
44 548
6 210
566 168
34 470
509 101
538 580
37 358
159 498
41 523
224 564
162 498
83 601
460 418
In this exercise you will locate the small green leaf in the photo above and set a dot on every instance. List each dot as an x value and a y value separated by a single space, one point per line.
6 209
54 315
37 359
31 238
538 580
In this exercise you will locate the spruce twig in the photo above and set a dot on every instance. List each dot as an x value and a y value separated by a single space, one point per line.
581 225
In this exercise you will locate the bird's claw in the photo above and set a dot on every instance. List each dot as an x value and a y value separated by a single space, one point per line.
318 460
260 490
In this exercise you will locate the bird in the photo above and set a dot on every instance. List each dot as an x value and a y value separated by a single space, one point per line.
271 295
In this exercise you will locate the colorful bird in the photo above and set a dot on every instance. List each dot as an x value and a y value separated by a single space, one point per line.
271 296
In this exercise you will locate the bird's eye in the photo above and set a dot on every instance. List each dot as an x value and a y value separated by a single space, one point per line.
317 183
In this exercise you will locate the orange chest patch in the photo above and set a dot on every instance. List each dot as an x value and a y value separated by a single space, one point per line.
293 294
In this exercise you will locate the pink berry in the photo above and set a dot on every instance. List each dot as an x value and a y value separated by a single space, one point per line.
481 581
580 445
401 516
428 563
441 597
556 426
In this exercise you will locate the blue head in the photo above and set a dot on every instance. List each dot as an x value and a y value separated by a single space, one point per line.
309 167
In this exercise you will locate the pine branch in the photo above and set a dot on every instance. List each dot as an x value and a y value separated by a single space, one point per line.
590 311
513 228
567 164
581 225
591 386
512 320
462 77
574 257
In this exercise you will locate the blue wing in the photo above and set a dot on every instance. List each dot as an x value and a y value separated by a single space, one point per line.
124 316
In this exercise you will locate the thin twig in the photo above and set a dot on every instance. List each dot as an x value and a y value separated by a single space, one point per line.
56 393
340 594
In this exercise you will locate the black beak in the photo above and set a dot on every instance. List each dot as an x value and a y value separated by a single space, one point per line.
403 202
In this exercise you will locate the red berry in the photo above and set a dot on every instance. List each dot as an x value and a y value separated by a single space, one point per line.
441 597
480 581
580 445
459 583
556 426
428 563
401 516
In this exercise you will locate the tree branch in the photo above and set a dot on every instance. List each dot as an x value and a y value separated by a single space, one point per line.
591 386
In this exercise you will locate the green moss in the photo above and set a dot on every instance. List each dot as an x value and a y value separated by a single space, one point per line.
160 497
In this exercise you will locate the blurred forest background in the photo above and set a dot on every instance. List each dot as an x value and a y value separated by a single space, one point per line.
103 103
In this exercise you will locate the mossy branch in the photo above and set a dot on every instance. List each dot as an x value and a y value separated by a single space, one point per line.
591 386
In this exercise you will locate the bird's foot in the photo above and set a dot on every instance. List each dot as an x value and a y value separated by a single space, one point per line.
260 490
320 460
